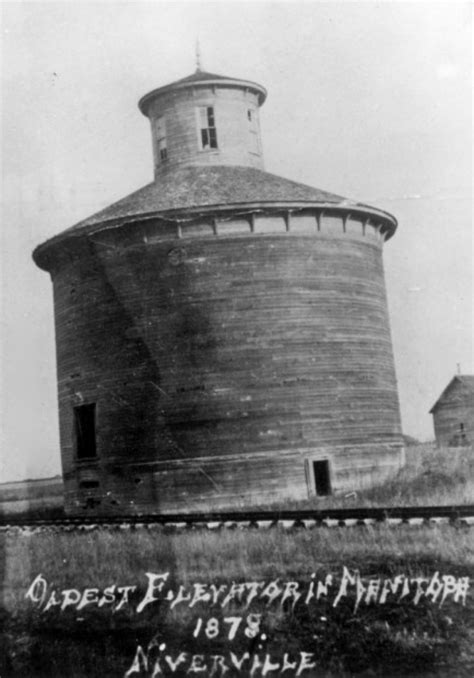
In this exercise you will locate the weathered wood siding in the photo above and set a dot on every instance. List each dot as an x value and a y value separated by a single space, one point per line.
238 141
224 360
453 416
231 481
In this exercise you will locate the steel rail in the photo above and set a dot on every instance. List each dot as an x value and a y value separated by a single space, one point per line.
413 515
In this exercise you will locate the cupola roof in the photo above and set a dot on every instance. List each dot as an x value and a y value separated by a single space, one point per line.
203 79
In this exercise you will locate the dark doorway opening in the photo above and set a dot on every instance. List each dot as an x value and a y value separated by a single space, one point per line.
322 479
84 428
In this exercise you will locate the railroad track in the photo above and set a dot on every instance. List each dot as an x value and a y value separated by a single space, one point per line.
287 519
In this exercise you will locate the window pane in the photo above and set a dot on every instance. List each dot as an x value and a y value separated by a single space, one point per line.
162 150
203 117
160 127
210 117
213 137
205 138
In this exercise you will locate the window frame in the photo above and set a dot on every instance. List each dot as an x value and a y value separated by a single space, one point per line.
210 130
161 140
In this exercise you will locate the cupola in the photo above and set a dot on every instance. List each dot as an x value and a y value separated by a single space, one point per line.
205 119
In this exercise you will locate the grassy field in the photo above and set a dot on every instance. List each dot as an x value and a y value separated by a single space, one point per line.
395 638
432 476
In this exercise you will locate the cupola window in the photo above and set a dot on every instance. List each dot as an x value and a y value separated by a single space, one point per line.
207 128
253 130
162 150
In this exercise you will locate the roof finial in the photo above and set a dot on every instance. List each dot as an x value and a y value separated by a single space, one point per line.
459 367
198 56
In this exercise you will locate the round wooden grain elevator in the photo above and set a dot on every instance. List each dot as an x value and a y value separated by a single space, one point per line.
222 333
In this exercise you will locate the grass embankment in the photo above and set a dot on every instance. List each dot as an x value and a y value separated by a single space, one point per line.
395 638
432 476
43 497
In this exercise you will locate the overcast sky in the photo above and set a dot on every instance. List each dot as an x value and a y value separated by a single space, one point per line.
371 100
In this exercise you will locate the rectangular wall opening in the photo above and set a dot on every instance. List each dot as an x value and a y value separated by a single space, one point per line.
89 484
207 127
84 430
322 478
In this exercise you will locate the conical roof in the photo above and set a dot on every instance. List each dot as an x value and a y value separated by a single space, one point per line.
199 75
203 79
204 188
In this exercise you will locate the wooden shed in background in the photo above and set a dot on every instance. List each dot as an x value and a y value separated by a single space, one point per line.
453 412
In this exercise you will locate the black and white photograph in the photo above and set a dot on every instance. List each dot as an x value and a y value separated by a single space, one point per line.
237 305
